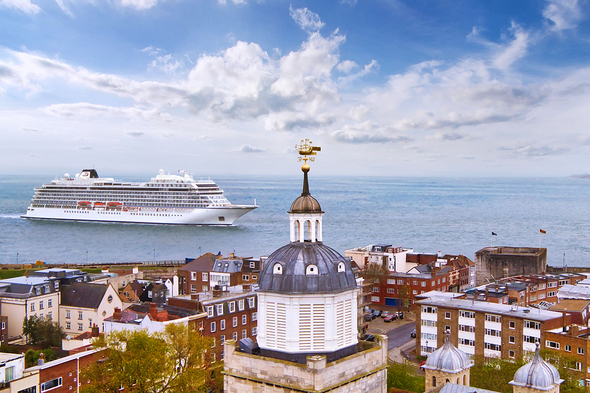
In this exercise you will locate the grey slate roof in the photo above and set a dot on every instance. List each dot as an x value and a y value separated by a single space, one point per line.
204 263
294 258
454 388
83 294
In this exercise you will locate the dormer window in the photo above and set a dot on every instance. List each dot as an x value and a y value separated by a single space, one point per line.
341 267
311 269
277 269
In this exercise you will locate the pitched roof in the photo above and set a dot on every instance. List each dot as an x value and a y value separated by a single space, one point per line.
571 305
204 263
83 294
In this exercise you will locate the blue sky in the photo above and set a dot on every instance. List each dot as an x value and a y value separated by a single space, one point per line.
394 88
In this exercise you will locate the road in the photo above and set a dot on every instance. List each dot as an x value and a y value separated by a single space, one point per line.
401 335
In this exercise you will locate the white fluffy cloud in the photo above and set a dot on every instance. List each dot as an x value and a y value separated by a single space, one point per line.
562 14
306 19
25 6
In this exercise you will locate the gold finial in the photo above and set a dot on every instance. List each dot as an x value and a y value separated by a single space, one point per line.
306 152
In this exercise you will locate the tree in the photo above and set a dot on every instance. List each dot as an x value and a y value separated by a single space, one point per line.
172 361
32 356
43 332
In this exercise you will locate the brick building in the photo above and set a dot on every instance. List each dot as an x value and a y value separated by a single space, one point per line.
572 341
194 275
482 328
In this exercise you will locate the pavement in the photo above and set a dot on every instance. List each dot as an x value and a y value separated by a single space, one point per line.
397 331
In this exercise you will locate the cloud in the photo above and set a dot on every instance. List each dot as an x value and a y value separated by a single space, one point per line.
514 50
84 109
562 14
135 134
21 5
248 149
531 151
306 19
368 132
450 136
346 66
33 130
373 65
85 148
358 112
138 4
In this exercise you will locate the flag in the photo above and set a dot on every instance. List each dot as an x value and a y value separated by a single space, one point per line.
494 234
542 231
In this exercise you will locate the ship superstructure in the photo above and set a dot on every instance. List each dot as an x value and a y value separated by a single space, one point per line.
165 199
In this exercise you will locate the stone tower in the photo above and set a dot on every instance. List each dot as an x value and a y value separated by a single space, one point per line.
536 376
446 365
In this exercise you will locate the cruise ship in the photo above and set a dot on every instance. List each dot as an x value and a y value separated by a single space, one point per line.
165 199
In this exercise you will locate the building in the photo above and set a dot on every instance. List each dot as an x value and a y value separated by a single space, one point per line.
307 309
493 263
194 275
24 297
84 305
482 328
394 258
131 292
151 317
572 341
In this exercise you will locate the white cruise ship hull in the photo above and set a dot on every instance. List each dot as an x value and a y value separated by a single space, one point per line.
220 216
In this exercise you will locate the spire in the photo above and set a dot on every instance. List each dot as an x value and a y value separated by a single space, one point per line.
305 169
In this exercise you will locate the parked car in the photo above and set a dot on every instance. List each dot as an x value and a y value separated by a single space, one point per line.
368 337
385 314
368 317
377 313
413 334
389 318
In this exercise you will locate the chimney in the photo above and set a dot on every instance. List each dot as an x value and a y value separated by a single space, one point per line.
117 314
574 330
564 312
94 331
154 311
216 291
40 361
232 255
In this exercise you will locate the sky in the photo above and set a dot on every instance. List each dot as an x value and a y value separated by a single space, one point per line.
453 88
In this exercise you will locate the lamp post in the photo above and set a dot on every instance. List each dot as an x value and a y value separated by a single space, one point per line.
86 256
17 258
154 255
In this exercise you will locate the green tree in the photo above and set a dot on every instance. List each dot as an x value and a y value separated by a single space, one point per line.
494 374
43 332
172 361
32 356
401 376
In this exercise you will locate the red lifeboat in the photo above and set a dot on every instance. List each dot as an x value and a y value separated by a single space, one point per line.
84 203
99 204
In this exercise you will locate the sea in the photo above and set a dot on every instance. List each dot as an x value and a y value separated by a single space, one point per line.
428 215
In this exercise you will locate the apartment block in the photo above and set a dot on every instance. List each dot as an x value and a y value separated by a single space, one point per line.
572 341
482 328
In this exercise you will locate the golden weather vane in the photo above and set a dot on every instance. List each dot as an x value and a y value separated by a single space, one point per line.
306 152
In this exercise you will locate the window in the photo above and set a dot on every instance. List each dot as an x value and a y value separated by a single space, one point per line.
466 328
580 351
80 327
532 324
464 341
205 277
110 299
213 327
222 324
232 306
49 303
241 304
41 306
193 288
194 276
447 315
213 354
551 344
493 318
244 333
530 339
209 311
68 325
400 282
492 332
429 310
3 325
55 284
428 323
32 307
466 314
254 316
277 269
374 298
213 343
54 383
422 283
8 374
219 309
375 289
254 331
552 294
391 281
511 354
252 265
90 323
511 339
447 328
251 302
512 325
244 319
222 339
235 336
235 321
49 315
390 290
311 270
493 347
568 348
245 277
79 314
415 282
428 336
414 292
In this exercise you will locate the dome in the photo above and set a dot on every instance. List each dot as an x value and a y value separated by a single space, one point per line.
537 374
448 359
306 267
305 204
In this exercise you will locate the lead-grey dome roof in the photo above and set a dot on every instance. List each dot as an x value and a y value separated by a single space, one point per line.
537 374
448 359
334 274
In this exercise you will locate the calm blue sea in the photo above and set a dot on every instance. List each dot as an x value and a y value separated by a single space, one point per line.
455 216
